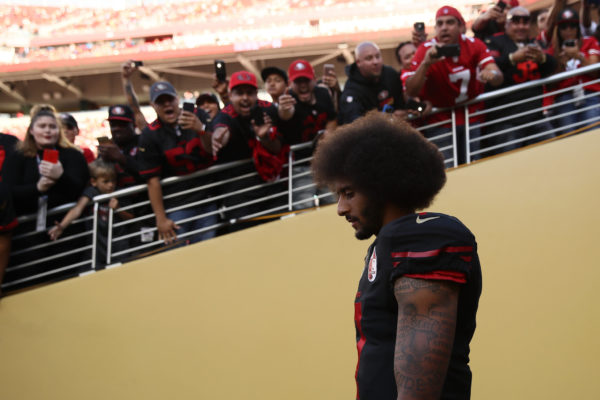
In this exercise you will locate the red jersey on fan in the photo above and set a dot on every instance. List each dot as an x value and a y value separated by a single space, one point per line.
589 47
453 80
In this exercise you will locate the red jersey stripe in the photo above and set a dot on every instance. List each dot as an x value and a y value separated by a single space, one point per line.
432 253
452 276
361 342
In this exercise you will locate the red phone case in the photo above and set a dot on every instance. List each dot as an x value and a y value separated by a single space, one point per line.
51 156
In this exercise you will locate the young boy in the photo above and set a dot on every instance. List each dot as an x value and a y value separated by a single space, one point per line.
103 180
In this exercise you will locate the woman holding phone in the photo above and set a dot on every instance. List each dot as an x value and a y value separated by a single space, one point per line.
46 170
572 51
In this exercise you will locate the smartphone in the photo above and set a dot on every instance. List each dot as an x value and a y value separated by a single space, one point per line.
50 155
569 43
501 5
220 70
412 104
104 140
328 69
189 106
449 50
419 26
257 115
138 63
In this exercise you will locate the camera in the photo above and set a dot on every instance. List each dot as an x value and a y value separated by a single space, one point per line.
412 104
449 50
220 70
419 26
138 63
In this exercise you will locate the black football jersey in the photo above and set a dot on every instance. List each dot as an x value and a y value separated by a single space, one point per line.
424 246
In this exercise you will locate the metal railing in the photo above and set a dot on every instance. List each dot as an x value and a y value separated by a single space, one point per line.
231 196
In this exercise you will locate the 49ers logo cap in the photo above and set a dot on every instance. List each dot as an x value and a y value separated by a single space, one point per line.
301 69
120 112
160 88
242 78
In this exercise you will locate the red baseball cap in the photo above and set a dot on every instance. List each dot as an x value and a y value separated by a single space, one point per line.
301 69
451 11
242 78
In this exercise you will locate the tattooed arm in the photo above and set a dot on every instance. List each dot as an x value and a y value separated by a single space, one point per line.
127 70
426 323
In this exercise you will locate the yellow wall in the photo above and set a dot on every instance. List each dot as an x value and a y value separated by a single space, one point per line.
267 313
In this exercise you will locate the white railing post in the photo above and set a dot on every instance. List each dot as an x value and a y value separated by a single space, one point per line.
454 141
290 179
95 235
109 236
467 137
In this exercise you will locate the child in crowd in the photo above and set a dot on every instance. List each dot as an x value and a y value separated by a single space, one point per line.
103 180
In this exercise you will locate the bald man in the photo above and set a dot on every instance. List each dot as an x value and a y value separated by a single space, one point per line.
371 85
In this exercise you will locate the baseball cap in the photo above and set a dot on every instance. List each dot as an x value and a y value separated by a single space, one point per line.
206 96
451 11
273 70
160 88
513 3
568 15
68 120
120 112
242 78
301 69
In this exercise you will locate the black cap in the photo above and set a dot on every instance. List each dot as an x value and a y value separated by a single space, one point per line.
273 70
120 112
568 15
207 96
68 120
160 88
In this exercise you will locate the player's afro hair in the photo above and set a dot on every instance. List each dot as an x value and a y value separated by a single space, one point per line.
384 158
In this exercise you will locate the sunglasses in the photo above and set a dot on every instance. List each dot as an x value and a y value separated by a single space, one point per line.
520 19
572 25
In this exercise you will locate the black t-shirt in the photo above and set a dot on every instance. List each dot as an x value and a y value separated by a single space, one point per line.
308 118
243 138
8 219
432 246
128 174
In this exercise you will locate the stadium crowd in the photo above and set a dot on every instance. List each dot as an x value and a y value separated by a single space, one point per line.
437 71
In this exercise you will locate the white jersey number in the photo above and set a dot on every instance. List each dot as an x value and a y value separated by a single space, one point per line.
463 76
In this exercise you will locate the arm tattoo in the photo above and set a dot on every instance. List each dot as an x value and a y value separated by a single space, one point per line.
425 335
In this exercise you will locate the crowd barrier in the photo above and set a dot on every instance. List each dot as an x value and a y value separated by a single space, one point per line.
101 240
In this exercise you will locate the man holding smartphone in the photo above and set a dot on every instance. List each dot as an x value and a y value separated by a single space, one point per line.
446 81
492 21
175 144
520 60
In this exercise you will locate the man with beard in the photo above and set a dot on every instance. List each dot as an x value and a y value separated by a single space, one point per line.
122 149
521 60
448 81
306 111
418 295
247 129
175 144
371 85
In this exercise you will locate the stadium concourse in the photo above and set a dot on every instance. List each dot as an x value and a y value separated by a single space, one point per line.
71 56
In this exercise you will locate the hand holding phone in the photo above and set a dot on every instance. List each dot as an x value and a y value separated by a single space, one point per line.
50 155
419 26
189 106
220 70
328 69
104 140
449 50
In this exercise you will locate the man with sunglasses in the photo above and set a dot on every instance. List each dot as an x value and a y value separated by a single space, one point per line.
520 60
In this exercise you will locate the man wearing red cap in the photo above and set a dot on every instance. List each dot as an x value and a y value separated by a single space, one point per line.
370 86
247 128
306 111
448 81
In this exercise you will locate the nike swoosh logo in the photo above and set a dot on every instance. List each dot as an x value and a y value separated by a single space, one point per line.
422 220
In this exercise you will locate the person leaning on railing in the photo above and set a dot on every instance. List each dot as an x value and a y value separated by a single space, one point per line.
573 50
175 144
8 219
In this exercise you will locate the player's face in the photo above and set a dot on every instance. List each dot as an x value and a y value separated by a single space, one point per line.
45 132
365 216
167 108
211 108
303 87
406 54
447 29
104 184
243 98
517 27
122 131
369 62
275 86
